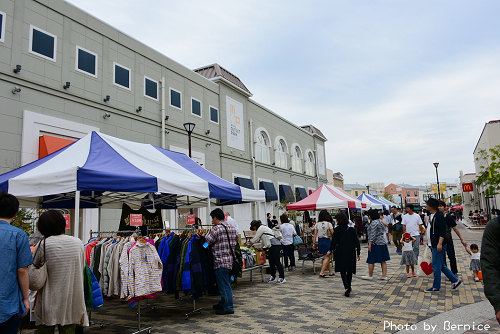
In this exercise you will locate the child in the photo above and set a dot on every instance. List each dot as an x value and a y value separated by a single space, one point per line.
475 262
408 257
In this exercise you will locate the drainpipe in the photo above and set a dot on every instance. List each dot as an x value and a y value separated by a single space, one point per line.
252 156
317 165
163 112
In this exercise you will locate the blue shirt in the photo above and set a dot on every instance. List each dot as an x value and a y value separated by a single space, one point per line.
15 253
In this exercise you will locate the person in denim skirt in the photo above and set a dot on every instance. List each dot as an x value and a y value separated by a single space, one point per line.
377 246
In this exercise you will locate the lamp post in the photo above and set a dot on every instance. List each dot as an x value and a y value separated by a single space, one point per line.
189 128
401 200
368 190
436 164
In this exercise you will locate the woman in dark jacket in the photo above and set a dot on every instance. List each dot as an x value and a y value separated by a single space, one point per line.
345 246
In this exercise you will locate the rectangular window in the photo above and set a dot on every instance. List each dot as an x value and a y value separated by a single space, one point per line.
86 61
214 115
407 193
175 98
2 26
121 76
195 107
42 43
151 88
415 193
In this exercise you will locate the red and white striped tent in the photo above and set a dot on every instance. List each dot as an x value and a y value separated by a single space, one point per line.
328 197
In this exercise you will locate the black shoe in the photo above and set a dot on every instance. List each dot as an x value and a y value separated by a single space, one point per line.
347 292
223 312
217 307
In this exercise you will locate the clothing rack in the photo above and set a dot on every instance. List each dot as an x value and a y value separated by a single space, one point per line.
137 231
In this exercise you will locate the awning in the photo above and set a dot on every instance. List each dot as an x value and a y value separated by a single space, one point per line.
286 193
300 193
50 144
270 190
327 197
244 182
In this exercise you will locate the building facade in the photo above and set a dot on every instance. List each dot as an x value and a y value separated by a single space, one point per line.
489 138
65 73
335 179
355 189
404 193
470 193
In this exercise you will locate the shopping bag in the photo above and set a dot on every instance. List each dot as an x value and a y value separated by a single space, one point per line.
425 263
480 275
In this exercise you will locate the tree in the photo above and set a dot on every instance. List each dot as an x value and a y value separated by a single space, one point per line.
24 220
457 199
389 197
489 175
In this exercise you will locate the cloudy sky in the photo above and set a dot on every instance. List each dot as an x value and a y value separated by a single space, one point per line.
394 85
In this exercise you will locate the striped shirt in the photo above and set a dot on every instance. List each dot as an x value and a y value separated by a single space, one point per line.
376 232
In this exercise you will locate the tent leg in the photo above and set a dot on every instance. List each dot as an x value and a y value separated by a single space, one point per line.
77 214
209 209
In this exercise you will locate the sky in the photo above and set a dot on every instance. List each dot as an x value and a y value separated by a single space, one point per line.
394 85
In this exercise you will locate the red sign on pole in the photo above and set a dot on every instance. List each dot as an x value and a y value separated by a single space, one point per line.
467 187
226 214
67 218
135 219
190 219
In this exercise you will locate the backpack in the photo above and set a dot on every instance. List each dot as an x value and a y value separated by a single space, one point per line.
398 226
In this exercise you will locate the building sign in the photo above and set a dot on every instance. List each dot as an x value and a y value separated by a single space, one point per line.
442 187
321 159
467 187
235 124
190 219
135 219
67 218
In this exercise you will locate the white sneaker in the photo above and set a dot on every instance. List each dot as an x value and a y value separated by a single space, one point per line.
272 280
281 281
367 277
384 278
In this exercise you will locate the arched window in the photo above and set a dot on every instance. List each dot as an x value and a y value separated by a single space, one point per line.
297 159
262 147
280 155
310 164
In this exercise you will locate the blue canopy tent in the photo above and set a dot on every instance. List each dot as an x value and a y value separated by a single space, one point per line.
375 202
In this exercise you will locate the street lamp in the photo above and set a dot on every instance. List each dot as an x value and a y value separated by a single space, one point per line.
436 164
189 128
368 190
401 200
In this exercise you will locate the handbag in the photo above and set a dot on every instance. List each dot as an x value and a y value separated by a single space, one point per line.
237 266
297 241
38 272
277 233
425 265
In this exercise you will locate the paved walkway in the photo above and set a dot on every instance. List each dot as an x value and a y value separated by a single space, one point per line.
309 304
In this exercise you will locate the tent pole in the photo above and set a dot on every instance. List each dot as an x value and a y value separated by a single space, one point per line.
77 213
209 209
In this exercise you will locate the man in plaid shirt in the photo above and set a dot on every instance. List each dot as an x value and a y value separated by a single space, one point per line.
223 249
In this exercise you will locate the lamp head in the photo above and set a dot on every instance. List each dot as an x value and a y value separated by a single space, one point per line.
436 164
189 127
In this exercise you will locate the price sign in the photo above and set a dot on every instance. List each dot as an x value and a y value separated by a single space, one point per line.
135 219
190 219
67 218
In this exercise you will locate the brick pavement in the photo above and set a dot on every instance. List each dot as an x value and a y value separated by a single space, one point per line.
309 304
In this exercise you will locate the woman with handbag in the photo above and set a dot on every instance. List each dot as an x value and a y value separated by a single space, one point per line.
269 242
323 233
61 299
345 246
288 232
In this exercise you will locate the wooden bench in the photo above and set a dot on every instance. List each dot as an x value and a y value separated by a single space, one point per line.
257 267
249 235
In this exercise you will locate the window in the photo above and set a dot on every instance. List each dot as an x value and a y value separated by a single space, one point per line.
121 76
42 43
310 164
280 155
297 159
356 193
195 107
392 189
86 61
407 193
151 88
175 98
262 147
415 193
214 115
2 26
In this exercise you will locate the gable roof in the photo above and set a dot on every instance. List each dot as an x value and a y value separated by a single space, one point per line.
314 130
215 71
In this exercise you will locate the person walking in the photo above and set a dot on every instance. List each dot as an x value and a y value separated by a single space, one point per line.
377 246
411 225
490 264
222 238
266 236
451 224
61 301
288 231
14 262
270 223
436 234
397 228
346 248
388 224
324 228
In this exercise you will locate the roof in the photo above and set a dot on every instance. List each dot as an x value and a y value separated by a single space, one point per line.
351 186
314 130
484 128
407 186
215 71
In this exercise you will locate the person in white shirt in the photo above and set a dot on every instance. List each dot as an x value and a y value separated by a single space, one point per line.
288 232
388 224
411 224
233 223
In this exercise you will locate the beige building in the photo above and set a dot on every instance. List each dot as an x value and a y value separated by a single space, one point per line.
335 179
489 138
469 198
355 189
377 188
